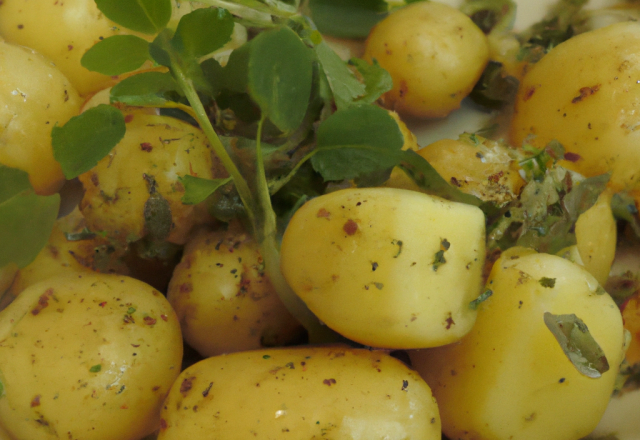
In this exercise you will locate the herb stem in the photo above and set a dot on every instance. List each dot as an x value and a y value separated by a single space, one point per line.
201 116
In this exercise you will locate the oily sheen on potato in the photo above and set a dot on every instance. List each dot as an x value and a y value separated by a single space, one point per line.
387 267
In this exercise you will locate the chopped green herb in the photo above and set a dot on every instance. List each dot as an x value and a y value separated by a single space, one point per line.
473 305
438 260
96 368
547 282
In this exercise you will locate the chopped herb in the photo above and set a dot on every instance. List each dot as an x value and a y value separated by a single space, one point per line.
85 234
473 305
547 282
96 368
131 310
266 356
399 244
438 260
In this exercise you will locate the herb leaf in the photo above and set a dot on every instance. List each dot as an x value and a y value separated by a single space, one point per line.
377 81
280 76
100 128
355 142
26 221
116 55
145 89
577 343
12 182
197 189
345 86
203 31
146 16
473 305
347 18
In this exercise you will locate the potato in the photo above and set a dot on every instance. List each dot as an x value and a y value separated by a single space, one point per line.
300 393
483 168
84 252
139 173
87 356
509 377
224 299
34 97
387 267
62 31
434 53
584 93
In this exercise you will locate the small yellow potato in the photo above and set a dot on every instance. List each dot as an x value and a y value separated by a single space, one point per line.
34 97
584 93
596 237
87 356
224 299
337 393
141 175
387 267
70 249
509 378
63 31
484 169
434 53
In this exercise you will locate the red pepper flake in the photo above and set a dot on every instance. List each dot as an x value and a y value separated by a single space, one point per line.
186 386
350 227
149 320
156 388
146 146
495 178
135 345
205 393
323 213
529 93
163 424
572 157
329 382
403 89
125 406
165 318
43 302
128 119
455 182
70 47
449 322
585 92
102 304
35 401
186 288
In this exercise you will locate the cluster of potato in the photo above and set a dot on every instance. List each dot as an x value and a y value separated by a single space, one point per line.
89 352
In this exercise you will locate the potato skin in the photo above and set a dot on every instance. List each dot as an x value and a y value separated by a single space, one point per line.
34 97
87 356
224 299
434 53
303 393
363 260
509 378
584 93
154 153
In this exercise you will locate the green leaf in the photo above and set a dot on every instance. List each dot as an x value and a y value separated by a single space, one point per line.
26 221
235 72
347 18
116 55
495 88
203 31
584 195
280 76
12 182
96 368
577 343
146 16
197 189
357 141
427 178
624 208
377 81
345 86
473 305
145 89
214 74
87 138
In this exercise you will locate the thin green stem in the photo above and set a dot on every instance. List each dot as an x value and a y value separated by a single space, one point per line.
201 116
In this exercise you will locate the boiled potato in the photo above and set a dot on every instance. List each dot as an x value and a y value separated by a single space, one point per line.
300 393
34 97
387 267
87 356
584 93
509 378
223 297
484 169
135 191
434 53
62 31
